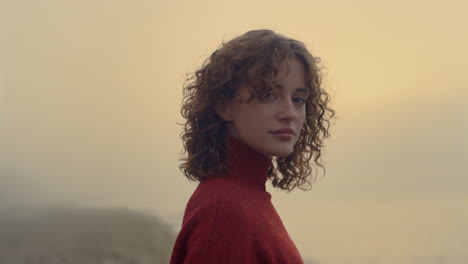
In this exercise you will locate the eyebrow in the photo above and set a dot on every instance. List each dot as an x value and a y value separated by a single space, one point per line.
299 89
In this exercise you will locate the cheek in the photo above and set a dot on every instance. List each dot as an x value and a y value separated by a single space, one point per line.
255 113
301 119
245 120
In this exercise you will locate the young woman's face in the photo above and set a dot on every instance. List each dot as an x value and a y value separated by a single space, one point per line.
271 126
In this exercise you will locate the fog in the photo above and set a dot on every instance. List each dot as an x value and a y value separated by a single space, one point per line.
90 97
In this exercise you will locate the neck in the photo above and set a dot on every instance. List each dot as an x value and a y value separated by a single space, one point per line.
246 166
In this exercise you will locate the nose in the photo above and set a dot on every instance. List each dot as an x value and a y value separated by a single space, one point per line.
287 111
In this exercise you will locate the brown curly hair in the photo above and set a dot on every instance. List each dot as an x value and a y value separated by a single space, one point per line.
252 59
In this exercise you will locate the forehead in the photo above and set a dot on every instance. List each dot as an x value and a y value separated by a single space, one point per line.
290 75
293 71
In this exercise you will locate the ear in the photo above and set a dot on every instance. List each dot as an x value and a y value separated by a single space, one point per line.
222 108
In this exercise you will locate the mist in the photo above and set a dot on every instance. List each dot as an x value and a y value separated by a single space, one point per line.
90 97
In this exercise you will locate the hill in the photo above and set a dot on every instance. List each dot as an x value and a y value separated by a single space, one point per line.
77 236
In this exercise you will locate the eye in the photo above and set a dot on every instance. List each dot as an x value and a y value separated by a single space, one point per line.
299 100
270 96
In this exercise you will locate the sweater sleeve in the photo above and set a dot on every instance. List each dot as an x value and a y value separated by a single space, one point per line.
216 232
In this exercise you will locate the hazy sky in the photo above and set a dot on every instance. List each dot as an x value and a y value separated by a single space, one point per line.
90 93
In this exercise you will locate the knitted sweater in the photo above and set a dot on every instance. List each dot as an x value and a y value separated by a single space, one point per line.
231 219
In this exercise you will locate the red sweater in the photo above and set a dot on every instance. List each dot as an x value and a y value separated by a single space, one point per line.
231 219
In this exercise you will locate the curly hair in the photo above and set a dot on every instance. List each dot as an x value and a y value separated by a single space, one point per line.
252 59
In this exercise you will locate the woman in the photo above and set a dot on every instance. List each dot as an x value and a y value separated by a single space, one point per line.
255 111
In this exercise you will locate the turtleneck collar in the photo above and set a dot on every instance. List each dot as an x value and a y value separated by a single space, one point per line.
246 166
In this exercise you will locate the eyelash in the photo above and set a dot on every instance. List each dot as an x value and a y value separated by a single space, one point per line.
302 100
273 96
269 94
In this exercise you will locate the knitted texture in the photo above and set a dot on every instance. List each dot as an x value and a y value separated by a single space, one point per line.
230 218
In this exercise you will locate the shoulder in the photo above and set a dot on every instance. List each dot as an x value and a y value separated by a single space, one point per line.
221 199
226 223
219 209
217 220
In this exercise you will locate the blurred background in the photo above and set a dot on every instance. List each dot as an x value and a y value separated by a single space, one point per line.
90 96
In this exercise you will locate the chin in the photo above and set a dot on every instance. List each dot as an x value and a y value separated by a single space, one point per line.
280 152
280 155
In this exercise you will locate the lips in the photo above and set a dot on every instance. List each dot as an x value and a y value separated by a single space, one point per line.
284 134
284 131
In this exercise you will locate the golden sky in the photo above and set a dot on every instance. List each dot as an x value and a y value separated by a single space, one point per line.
90 93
